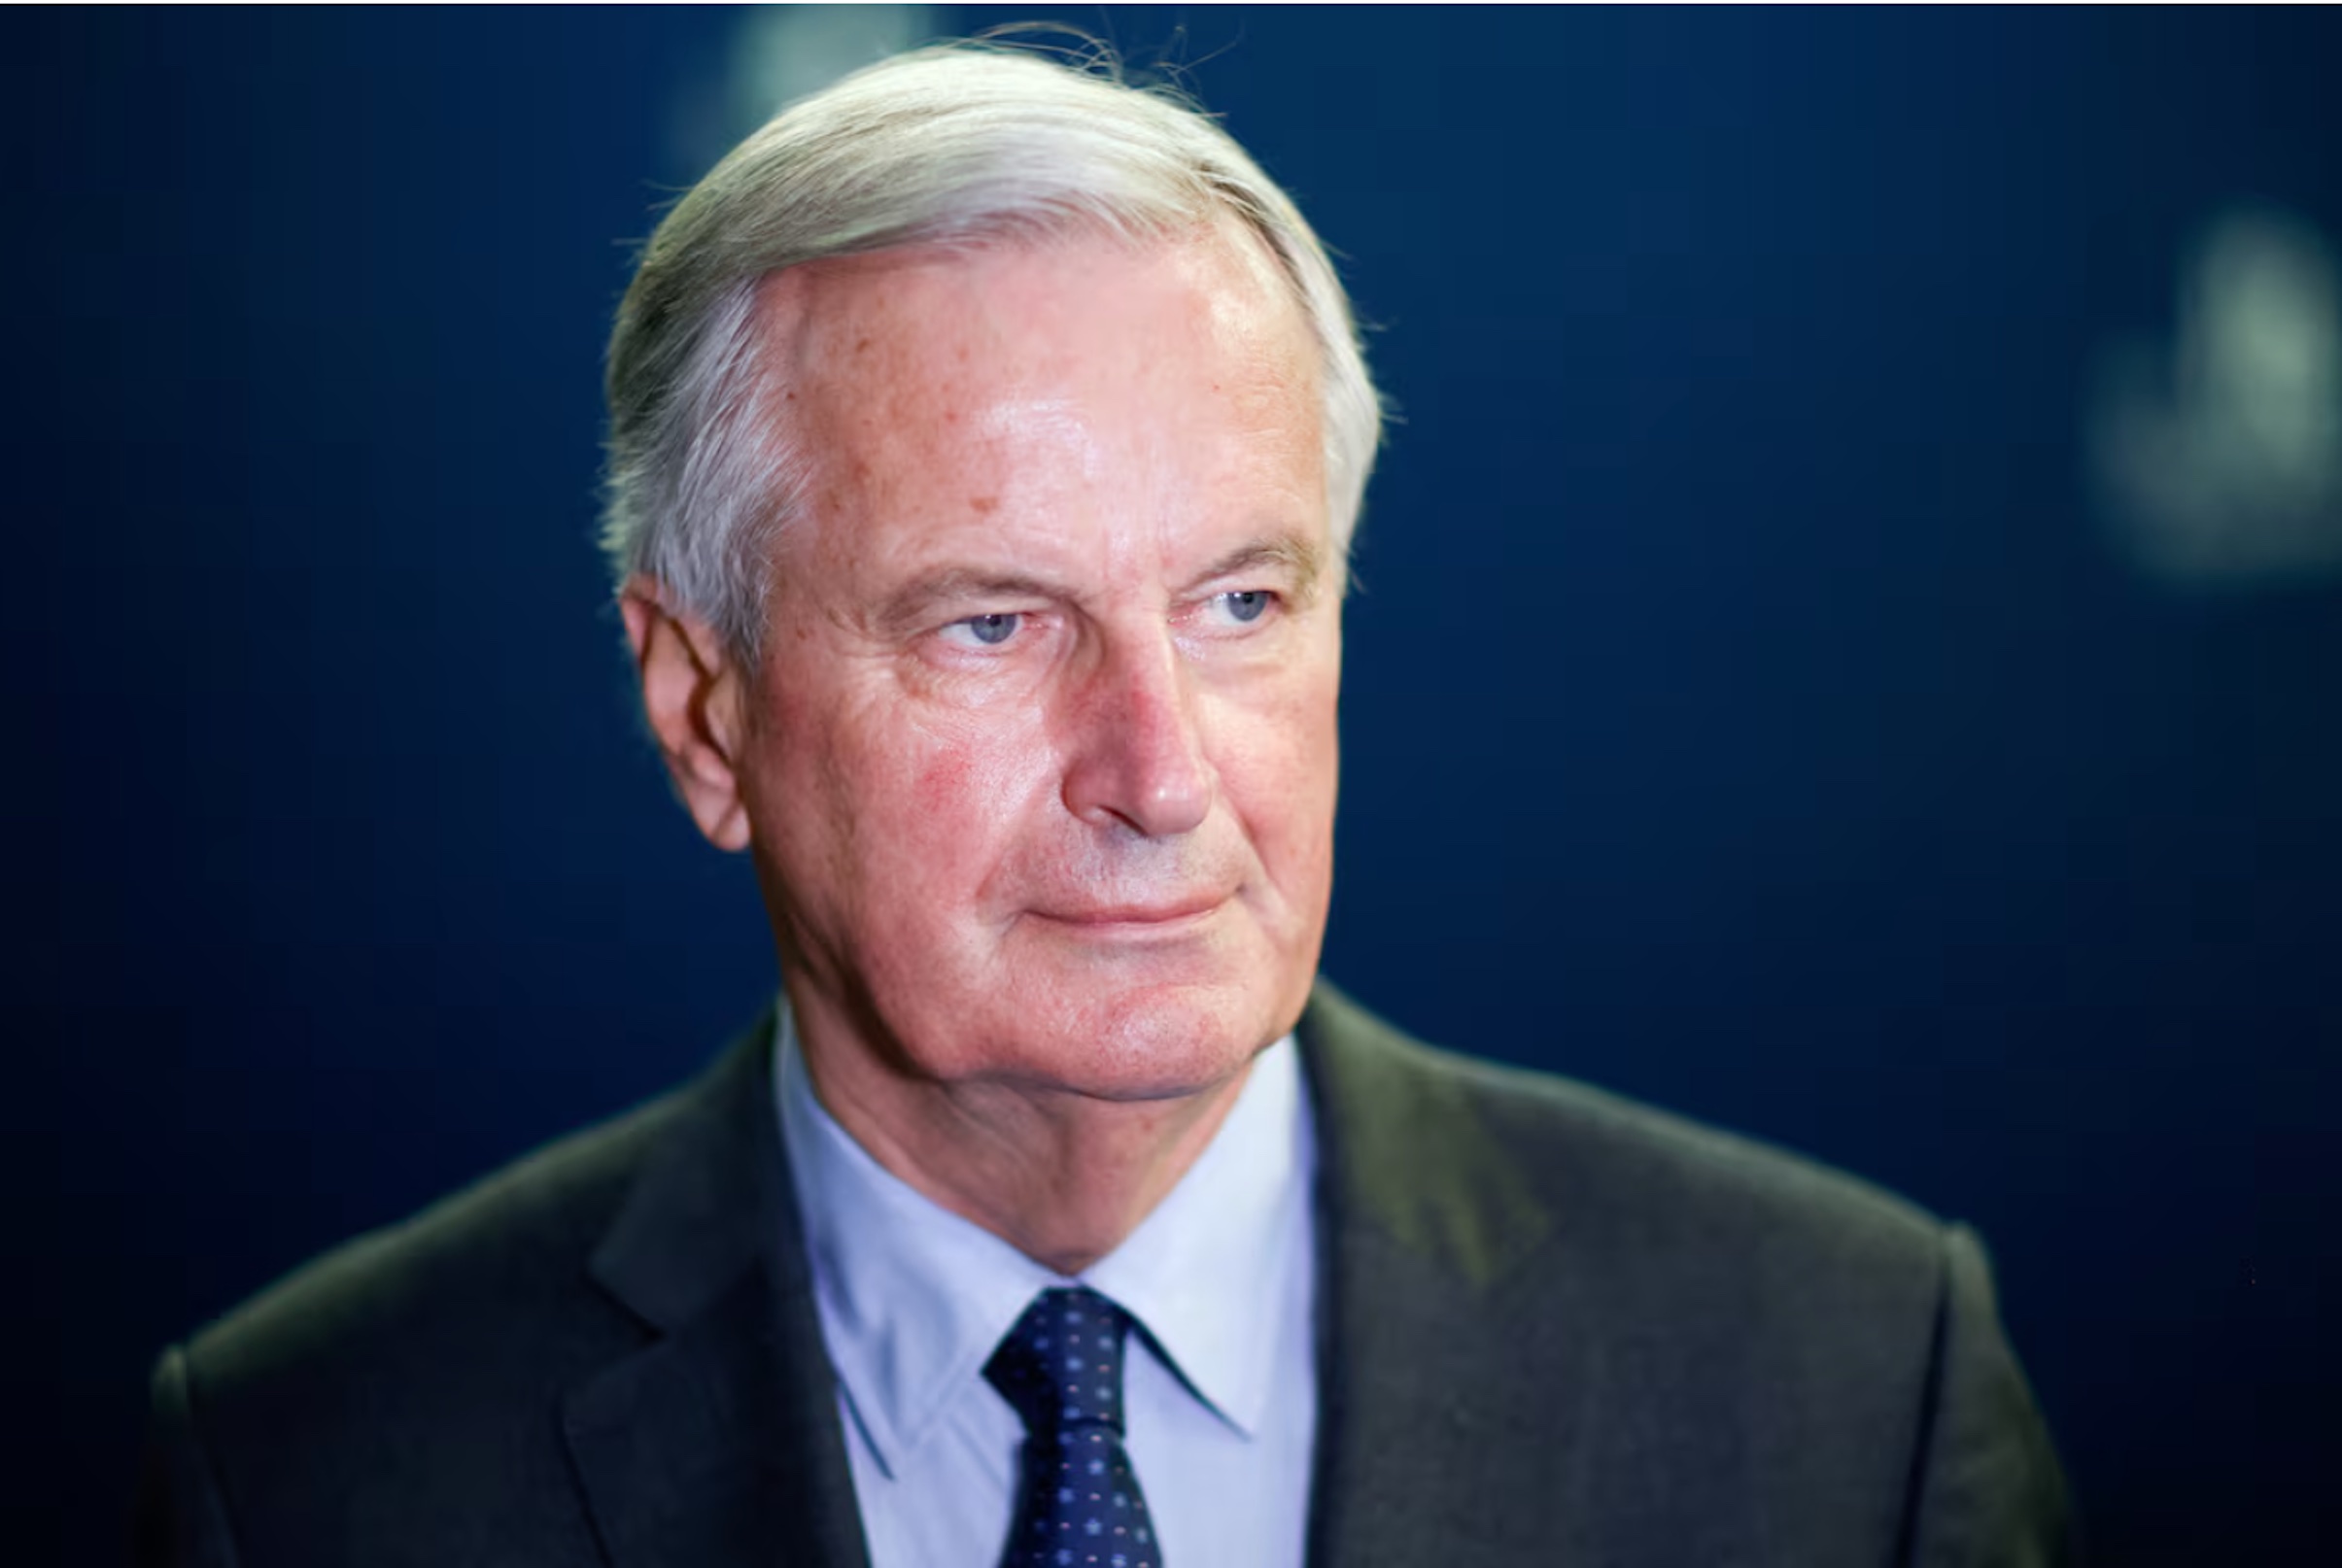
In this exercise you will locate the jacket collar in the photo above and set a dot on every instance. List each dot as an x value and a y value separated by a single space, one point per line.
1424 1222
719 1441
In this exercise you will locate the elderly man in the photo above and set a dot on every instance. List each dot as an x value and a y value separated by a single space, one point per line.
987 441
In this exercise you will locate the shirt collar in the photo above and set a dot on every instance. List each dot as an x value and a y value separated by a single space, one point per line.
914 1298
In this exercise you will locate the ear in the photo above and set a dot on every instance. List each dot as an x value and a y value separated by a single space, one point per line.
695 698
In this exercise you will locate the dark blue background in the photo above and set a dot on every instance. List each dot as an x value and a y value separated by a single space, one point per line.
1744 708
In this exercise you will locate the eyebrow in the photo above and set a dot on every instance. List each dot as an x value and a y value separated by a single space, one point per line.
910 605
1287 552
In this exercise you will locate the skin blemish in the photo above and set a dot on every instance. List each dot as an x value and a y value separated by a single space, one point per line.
985 504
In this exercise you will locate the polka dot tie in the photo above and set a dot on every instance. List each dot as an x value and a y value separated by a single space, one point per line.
1079 1505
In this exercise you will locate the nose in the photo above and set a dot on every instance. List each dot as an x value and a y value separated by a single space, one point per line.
1136 758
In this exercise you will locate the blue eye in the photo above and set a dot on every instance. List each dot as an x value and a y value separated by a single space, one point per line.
993 629
1245 603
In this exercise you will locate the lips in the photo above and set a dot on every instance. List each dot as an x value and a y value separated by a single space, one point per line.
1163 913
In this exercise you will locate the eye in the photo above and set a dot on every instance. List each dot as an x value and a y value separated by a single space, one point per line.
985 631
1245 605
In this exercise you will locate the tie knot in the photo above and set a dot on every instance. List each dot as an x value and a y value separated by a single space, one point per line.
1061 1366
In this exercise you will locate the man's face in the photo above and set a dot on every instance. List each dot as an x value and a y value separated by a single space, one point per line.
1040 761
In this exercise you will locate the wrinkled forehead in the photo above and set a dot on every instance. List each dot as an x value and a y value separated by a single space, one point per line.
1086 398
839 334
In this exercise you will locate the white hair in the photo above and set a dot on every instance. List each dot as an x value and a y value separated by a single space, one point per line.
957 144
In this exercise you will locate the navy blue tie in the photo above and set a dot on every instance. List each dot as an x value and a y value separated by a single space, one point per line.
1079 1505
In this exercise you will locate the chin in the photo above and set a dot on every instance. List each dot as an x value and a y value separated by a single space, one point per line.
1122 1017
1167 1014
1156 1042
1133 1043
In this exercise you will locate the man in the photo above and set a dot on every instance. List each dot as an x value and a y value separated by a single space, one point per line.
987 438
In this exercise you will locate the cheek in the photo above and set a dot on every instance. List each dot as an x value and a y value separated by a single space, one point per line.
1284 783
972 785
949 776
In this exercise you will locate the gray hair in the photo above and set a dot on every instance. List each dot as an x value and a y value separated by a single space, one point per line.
957 144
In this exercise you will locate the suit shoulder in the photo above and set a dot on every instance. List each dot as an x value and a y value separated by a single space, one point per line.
1628 1178
1587 1130
492 1261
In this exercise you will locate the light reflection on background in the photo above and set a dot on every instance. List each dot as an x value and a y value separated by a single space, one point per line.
779 53
2219 450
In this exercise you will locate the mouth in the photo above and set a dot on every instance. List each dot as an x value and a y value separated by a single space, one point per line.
1148 919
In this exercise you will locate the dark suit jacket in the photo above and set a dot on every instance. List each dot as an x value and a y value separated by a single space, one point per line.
1558 1328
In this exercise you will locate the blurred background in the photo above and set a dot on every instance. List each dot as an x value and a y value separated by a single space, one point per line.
1848 647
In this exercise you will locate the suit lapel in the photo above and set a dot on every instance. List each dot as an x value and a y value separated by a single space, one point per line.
1424 1222
718 1443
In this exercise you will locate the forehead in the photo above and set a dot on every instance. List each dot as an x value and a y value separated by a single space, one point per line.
904 367
1215 290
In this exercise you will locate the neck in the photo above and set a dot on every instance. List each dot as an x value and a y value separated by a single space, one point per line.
1062 1177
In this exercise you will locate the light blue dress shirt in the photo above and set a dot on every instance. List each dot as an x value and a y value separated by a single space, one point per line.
1220 1391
